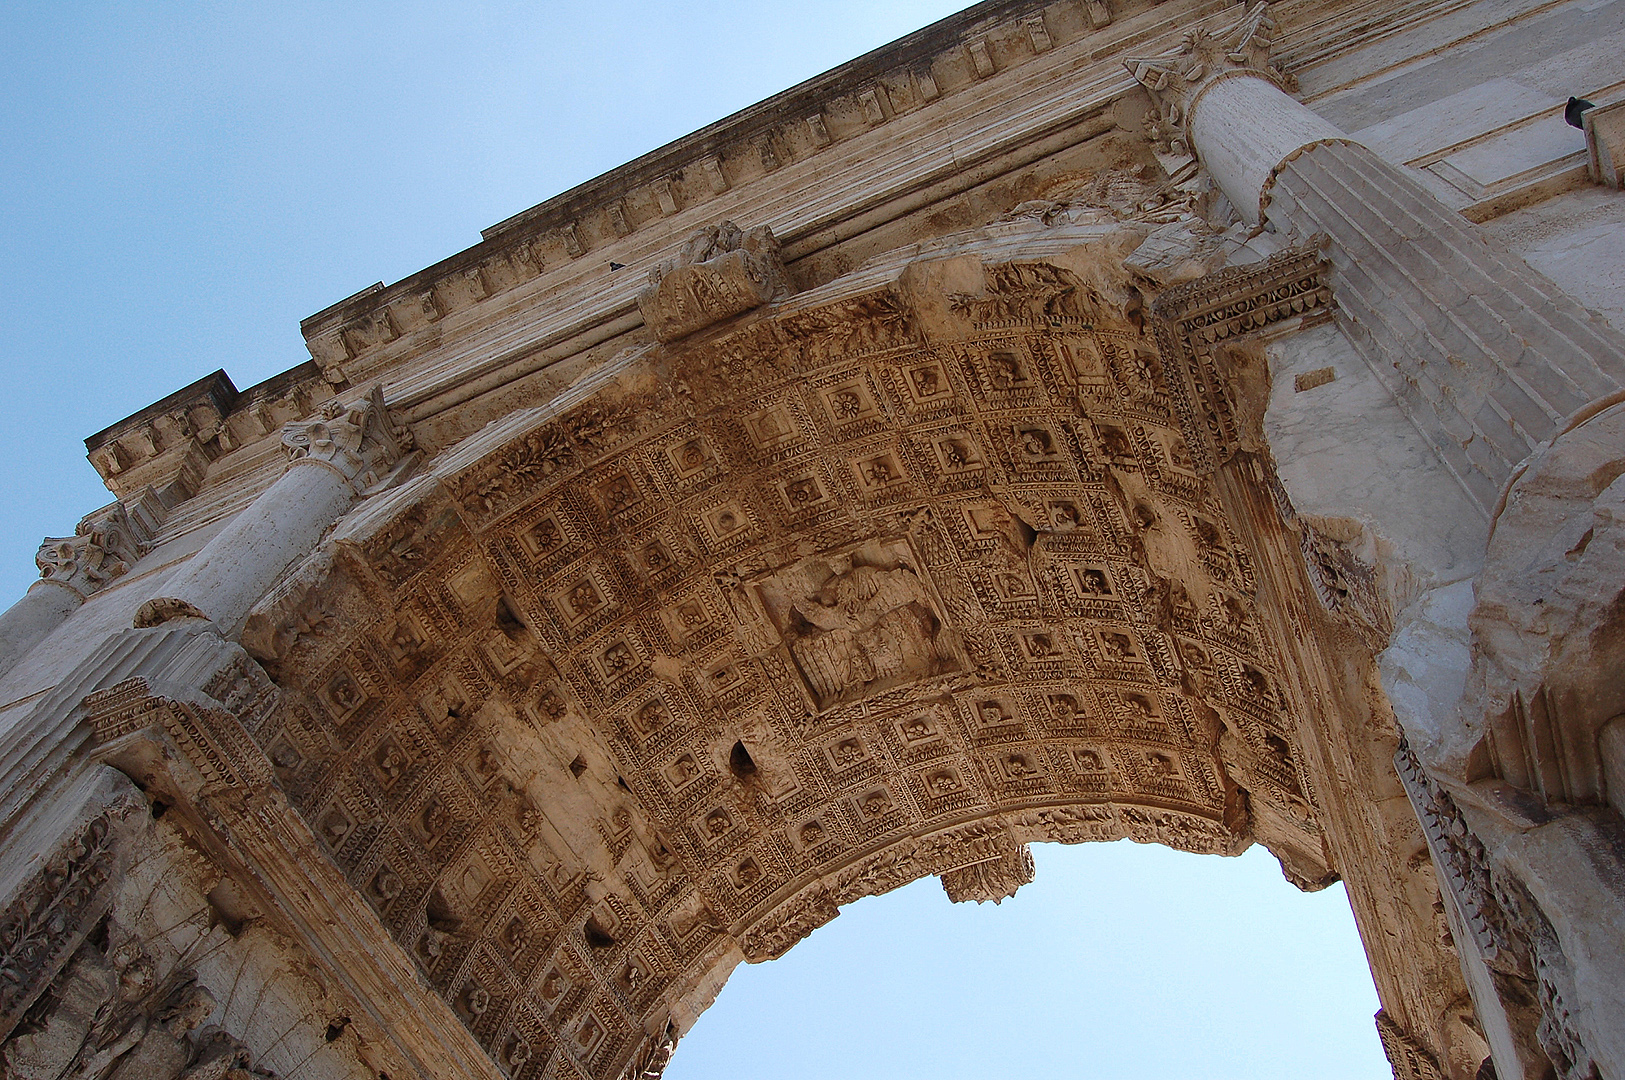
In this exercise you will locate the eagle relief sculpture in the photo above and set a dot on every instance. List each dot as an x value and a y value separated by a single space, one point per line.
859 623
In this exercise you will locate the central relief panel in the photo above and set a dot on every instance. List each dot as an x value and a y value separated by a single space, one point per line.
856 622
880 585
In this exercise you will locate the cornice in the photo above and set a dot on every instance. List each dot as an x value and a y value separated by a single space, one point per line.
1000 84
990 50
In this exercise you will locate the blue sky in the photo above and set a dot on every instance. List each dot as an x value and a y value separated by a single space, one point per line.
180 184
1118 962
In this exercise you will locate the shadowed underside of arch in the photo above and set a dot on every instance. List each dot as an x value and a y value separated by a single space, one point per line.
448 751
887 579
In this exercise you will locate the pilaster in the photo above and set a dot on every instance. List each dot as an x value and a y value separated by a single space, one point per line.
1491 362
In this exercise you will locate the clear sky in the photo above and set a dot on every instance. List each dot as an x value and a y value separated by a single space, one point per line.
1118 962
180 184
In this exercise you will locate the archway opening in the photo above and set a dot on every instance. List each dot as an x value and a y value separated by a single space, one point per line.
1119 959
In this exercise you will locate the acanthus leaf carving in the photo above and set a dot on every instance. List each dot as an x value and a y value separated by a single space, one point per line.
1207 53
650 1062
104 547
358 440
538 458
995 879
771 937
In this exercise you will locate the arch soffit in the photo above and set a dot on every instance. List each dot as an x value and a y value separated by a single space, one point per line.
886 579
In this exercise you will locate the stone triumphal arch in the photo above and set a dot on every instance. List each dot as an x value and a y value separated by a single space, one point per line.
1105 419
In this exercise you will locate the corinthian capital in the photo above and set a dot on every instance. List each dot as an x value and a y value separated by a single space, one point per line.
1240 45
101 549
357 440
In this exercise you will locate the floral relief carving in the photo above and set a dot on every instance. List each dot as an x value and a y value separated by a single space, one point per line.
641 675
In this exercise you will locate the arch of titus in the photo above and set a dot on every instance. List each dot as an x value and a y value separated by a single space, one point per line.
1082 419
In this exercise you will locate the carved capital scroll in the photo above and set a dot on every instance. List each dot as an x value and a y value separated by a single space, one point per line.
1239 46
358 440
102 548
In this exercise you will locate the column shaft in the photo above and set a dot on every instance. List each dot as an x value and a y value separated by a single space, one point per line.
44 607
223 581
1243 127
1485 355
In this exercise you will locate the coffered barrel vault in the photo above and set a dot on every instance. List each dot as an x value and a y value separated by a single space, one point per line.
1075 421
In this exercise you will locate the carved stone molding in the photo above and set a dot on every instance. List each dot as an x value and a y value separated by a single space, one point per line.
789 923
721 271
1347 586
650 1062
1532 977
218 752
1464 865
995 879
1227 306
1408 1058
1557 1033
169 445
1244 299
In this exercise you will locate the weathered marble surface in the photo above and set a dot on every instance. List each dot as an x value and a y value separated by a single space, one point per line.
998 479
1578 240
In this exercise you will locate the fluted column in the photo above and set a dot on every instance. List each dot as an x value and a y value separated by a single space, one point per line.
331 461
1487 357
71 569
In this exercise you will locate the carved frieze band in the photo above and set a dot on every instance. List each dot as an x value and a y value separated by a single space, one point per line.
1409 1059
1509 929
53 913
1463 861
1230 304
212 740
